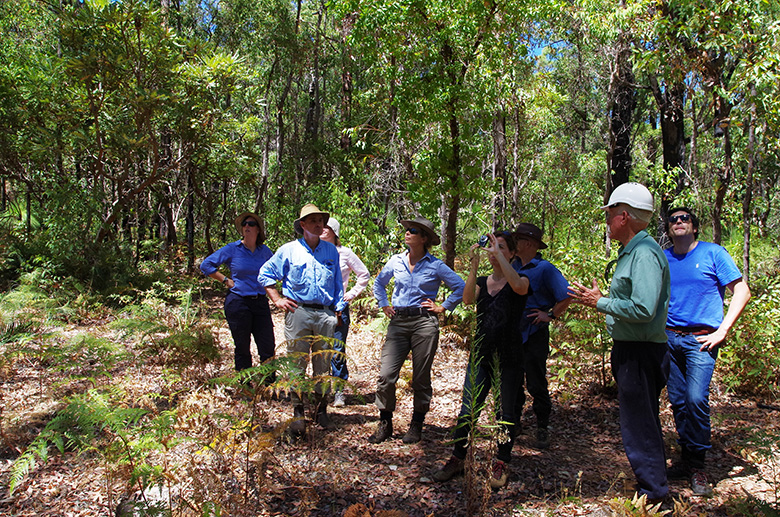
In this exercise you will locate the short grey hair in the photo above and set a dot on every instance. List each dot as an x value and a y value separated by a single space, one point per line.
634 213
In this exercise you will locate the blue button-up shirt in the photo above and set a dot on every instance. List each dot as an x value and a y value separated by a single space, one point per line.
307 275
548 287
413 287
243 265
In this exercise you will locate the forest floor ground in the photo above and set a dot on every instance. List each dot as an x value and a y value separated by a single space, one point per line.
583 472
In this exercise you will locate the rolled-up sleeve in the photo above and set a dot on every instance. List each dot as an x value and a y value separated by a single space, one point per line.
380 284
273 270
452 280
211 264
361 276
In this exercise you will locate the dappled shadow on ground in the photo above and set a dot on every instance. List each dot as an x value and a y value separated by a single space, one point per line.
328 471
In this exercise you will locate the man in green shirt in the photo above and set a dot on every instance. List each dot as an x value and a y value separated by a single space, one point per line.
636 319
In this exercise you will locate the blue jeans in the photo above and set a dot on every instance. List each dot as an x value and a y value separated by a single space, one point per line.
689 392
338 364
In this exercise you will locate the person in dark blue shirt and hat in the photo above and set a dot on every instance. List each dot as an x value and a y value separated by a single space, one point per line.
246 305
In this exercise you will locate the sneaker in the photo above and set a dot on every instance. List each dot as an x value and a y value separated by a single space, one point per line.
339 400
414 434
678 470
500 472
542 438
700 485
452 468
383 431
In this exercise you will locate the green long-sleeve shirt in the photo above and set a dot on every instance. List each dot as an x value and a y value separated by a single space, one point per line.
639 294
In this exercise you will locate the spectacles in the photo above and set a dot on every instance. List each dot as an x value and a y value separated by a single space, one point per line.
249 222
413 231
682 217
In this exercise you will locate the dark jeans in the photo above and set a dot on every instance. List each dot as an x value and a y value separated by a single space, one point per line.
689 393
641 370
338 363
249 317
480 378
535 353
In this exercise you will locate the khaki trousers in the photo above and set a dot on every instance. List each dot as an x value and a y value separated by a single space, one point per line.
420 335
310 332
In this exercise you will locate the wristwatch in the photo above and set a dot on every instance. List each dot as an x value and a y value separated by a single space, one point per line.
551 314
224 280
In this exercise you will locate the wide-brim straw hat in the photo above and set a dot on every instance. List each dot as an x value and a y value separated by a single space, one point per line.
425 225
241 218
307 210
530 231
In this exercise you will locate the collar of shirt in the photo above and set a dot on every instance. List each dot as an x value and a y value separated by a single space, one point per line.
633 243
412 287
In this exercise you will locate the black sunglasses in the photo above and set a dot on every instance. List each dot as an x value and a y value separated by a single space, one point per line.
249 222
682 217
413 230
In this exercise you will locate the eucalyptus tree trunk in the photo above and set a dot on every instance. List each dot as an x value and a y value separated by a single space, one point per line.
748 199
724 176
671 102
499 164
190 217
622 93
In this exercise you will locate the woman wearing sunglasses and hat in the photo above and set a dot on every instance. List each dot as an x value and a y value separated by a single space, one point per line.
414 323
246 306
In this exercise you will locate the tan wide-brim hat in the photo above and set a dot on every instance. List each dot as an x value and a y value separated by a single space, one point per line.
241 218
425 225
307 210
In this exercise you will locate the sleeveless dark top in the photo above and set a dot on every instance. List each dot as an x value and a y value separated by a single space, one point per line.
498 318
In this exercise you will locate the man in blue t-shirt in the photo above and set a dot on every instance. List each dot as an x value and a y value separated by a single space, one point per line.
696 328
549 298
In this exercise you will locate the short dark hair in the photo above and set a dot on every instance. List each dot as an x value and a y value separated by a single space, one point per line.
508 237
694 219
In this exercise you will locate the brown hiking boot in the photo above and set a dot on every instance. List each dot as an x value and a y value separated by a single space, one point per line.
383 431
298 424
452 468
414 434
499 474
323 420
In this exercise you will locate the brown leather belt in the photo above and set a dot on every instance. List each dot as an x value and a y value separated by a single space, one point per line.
691 331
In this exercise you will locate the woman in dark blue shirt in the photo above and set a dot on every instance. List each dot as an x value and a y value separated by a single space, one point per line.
246 306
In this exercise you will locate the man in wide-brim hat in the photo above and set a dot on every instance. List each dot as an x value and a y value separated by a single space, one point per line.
549 298
312 298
